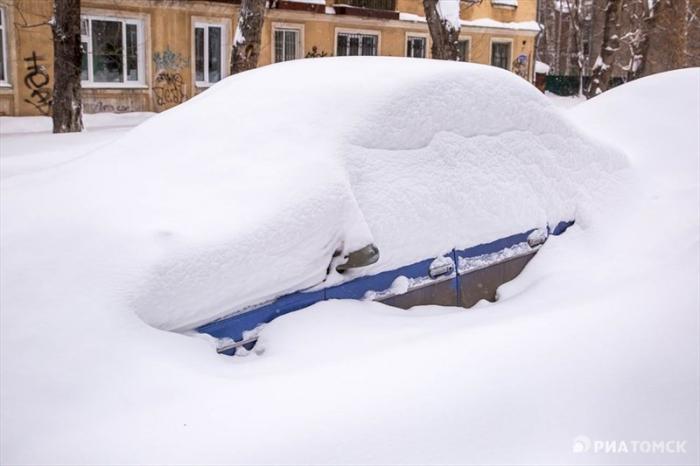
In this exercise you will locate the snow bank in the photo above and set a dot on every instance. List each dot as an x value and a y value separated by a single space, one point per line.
598 337
208 209
27 144
654 154
42 124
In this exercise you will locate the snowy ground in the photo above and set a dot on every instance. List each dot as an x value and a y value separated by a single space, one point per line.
564 102
27 144
597 340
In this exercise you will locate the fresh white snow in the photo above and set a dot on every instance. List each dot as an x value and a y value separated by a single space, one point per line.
449 11
597 338
27 144
480 23
212 211
541 68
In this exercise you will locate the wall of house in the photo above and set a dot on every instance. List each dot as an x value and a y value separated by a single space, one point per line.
168 46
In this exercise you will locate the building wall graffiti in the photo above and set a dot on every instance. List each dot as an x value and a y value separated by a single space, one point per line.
169 86
101 107
37 81
169 89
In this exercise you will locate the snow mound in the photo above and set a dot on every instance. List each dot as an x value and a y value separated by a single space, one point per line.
44 124
245 192
670 115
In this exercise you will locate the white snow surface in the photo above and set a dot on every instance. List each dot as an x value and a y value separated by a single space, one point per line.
513 25
91 121
481 23
449 11
513 3
27 144
598 337
541 67
203 210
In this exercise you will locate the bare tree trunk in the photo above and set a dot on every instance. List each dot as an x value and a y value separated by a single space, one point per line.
693 39
444 30
635 14
576 39
246 43
667 35
67 105
602 68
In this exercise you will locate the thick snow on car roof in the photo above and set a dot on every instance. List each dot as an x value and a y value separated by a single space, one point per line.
245 192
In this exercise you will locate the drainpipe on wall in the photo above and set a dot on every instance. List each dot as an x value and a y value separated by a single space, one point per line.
537 40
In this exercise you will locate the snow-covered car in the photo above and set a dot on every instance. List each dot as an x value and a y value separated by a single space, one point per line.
364 178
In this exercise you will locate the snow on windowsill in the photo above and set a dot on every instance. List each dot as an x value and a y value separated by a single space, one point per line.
533 26
505 3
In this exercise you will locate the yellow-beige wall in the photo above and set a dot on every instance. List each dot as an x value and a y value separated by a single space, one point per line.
168 28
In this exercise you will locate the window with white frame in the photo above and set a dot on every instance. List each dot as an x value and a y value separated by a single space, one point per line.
351 44
500 54
415 46
463 47
208 53
287 44
3 47
113 51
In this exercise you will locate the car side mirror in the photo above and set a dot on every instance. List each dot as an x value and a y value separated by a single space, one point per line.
360 258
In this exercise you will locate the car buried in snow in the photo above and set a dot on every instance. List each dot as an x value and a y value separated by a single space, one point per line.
400 180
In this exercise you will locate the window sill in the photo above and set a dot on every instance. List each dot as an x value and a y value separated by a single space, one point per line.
85 85
4 85
203 85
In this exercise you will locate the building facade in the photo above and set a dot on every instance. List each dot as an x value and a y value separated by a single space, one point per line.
150 55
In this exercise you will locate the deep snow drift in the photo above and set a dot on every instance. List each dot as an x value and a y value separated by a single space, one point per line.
206 209
27 144
598 338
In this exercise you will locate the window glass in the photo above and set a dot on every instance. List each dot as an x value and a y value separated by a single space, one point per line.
279 45
290 45
415 47
500 55
132 59
107 52
2 46
357 44
214 54
84 61
2 53
354 46
199 54
342 45
463 50
369 47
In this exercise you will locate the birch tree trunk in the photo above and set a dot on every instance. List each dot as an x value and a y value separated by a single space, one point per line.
67 108
603 66
246 42
444 27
